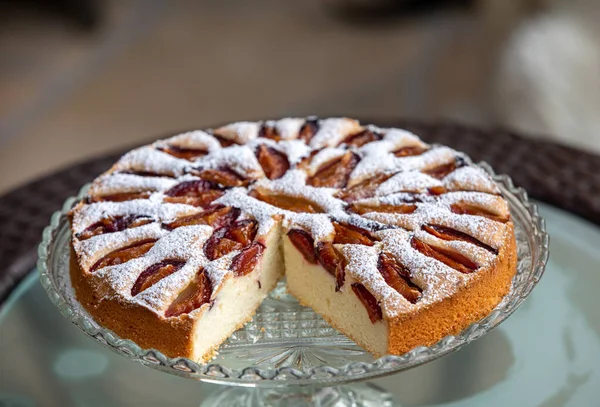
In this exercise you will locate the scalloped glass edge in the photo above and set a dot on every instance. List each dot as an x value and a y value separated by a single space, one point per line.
320 375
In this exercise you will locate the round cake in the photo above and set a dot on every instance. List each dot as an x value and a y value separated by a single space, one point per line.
394 242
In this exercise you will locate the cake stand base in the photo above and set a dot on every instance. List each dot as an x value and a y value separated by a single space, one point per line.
356 395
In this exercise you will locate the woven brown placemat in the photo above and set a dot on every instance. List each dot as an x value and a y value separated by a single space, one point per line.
558 175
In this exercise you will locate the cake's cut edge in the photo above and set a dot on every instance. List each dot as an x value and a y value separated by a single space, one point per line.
238 300
132 321
185 336
401 242
314 287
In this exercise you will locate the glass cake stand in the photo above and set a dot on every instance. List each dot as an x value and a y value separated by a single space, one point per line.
287 355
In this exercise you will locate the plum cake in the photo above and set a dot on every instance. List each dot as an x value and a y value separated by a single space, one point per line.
395 242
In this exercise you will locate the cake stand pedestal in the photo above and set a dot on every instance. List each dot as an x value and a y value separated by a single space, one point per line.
355 395
287 355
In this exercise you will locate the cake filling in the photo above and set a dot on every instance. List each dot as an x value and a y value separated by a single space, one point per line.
314 287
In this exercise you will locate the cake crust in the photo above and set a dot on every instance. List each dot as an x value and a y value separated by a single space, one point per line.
176 246
468 305
135 322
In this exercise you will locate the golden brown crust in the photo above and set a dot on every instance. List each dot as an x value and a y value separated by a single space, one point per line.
450 316
173 336
470 304
425 324
425 327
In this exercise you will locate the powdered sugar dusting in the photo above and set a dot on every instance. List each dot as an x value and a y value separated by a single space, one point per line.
240 159
113 183
149 159
409 181
96 247
292 184
183 244
240 132
333 131
197 139
475 253
289 128
219 270
379 162
393 139
362 267
437 280
262 212
323 157
295 150
483 229
402 138
406 221
157 211
470 178
492 203
407 184
318 225
160 295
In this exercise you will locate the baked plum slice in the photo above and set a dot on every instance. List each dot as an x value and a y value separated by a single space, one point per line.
185 153
124 254
451 258
289 203
224 141
369 301
361 208
274 163
308 130
154 274
333 261
350 234
362 190
246 261
120 197
440 171
410 151
446 233
269 132
363 137
196 294
303 241
195 192
223 176
216 216
465 208
230 238
398 277
335 173
113 224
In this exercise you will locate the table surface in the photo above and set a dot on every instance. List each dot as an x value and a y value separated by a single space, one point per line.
545 355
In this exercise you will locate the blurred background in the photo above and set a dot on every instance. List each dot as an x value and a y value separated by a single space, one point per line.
83 78
79 78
